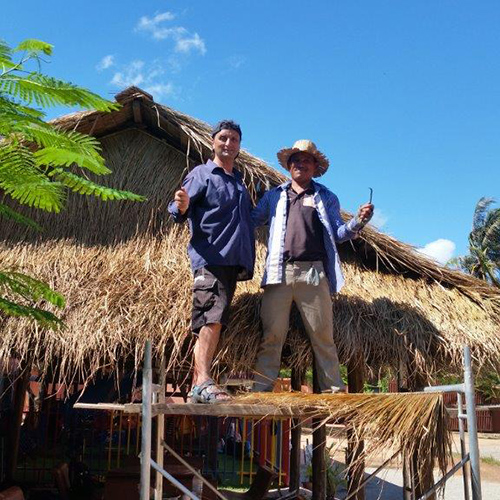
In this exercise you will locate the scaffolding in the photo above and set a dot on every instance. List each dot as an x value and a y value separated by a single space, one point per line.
154 406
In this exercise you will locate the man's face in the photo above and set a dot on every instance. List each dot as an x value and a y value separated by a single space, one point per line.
226 144
302 167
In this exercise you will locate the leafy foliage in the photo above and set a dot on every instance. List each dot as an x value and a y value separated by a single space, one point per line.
29 290
483 260
488 384
38 162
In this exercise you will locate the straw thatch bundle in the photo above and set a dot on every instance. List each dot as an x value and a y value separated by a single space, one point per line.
415 423
124 271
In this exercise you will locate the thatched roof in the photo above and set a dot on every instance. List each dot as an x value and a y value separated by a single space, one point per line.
124 270
411 423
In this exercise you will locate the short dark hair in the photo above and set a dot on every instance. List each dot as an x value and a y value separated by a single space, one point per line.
226 125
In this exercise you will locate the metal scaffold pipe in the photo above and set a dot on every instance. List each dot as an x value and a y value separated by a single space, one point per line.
472 426
147 383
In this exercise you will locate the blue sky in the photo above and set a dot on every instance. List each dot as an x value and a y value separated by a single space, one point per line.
402 96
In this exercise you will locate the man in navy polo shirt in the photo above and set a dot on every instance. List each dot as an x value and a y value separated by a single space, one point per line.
216 203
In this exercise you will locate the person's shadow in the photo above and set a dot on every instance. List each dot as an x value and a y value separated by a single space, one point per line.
378 487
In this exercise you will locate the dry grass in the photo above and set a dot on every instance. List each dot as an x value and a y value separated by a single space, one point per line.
124 271
120 295
415 423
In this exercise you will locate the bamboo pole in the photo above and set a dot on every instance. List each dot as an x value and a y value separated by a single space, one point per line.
422 476
160 432
147 382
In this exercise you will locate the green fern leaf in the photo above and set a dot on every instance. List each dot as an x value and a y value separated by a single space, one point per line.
34 47
6 62
46 91
57 156
45 318
22 181
30 288
11 214
83 186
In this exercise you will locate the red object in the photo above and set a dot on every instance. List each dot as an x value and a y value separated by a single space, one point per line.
13 493
285 452
488 420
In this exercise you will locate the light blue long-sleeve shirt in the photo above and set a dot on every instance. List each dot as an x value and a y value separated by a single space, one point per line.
272 210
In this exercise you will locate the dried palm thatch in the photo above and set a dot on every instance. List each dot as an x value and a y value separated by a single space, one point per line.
415 423
120 295
124 271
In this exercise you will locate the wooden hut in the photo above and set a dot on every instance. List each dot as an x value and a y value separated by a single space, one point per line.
124 271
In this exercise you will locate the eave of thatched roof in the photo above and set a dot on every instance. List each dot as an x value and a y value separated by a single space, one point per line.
124 271
192 137
186 134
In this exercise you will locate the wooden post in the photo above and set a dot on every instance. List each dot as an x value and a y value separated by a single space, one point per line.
355 466
319 447
408 484
296 432
17 420
212 442
423 477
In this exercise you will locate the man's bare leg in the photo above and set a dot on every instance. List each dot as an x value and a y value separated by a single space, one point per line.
204 351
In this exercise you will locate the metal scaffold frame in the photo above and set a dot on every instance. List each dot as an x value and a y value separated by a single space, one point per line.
466 388
153 405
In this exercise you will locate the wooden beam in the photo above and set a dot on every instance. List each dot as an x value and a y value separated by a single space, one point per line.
319 448
213 410
17 419
227 410
296 432
127 408
136 111
355 464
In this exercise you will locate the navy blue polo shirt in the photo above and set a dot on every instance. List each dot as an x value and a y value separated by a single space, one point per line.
219 219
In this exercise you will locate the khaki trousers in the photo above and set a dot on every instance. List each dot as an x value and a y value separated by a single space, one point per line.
315 306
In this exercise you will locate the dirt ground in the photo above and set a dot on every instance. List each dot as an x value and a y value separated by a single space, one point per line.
387 485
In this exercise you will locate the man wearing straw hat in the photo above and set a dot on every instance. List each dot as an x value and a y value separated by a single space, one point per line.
217 206
302 263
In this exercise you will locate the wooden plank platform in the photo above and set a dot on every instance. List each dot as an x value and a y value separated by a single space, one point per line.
127 408
227 410
215 410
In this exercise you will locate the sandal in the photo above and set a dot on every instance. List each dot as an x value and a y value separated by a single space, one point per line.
208 393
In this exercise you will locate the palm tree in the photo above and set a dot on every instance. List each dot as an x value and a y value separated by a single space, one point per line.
483 260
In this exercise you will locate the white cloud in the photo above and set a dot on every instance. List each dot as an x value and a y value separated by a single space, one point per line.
441 250
159 90
185 42
152 24
130 75
106 62
176 33
379 219
149 77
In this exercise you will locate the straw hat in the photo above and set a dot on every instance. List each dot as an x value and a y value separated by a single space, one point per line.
306 146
